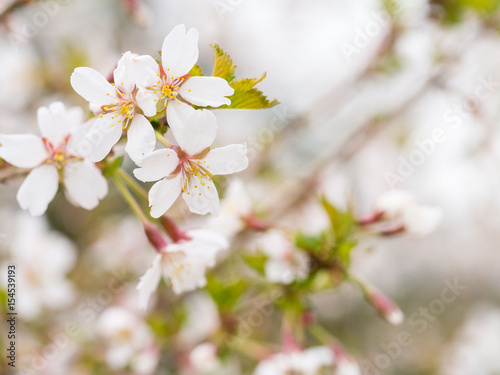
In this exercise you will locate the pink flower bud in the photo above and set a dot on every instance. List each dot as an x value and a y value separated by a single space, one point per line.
385 307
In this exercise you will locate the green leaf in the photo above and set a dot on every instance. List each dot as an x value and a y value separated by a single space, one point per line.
223 66
256 261
112 167
342 222
246 96
195 71
225 294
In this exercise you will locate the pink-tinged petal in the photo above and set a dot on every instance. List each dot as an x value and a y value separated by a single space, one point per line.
92 86
85 184
146 101
141 139
157 165
227 160
206 91
38 190
101 138
124 74
202 199
147 71
149 282
180 51
197 133
22 150
163 194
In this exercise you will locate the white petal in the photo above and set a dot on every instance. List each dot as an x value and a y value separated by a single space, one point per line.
157 165
124 74
85 185
53 122
103 135
179 51
22 150
146 102
206 91
227 160
422 220
197 133
38 190
208 237
163 194
202 204
177 113
147 71
92 86
141 139
149 282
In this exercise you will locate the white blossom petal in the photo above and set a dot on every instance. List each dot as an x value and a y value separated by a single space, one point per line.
124 74
141 139
206 91
103 135
180 51
22 150
158 164
53 122
227 160
92 86
85 184
146 101
163 194
38 190
149 282
147 71
198 131
177 113
201 199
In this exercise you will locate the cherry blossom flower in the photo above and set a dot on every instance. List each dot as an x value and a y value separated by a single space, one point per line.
203 360
53 158
170 85
182 264
189 167
402 208
129 340
286 263
196 328
308 362
44 258
236 207
117 106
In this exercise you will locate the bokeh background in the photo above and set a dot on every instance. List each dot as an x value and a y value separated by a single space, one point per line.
363 86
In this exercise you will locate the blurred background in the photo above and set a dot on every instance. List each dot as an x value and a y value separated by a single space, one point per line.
374 95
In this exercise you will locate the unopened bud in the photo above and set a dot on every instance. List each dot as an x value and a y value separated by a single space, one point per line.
385 307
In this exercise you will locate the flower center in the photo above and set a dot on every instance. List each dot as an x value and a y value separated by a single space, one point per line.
173 265
167 87
59 155
123 109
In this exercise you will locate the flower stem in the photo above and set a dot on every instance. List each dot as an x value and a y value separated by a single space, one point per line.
130 200
132 184
162 140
